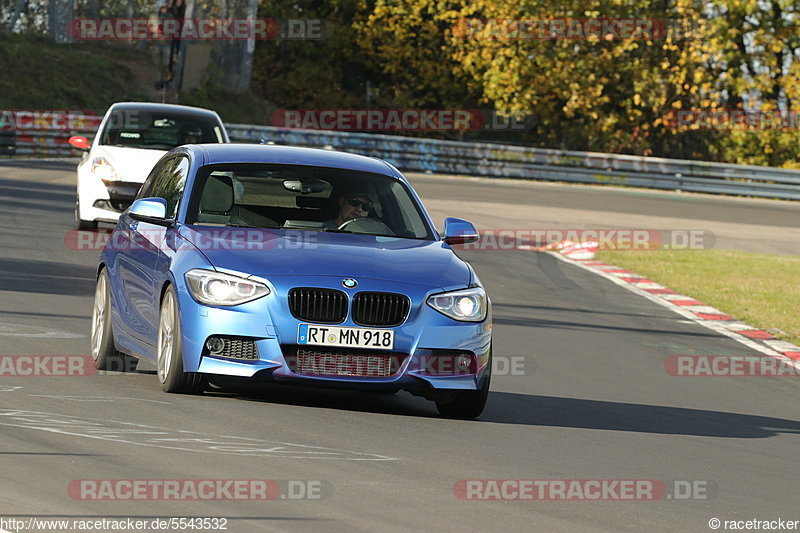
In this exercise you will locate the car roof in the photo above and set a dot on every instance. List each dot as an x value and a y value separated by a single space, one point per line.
160 108
291 155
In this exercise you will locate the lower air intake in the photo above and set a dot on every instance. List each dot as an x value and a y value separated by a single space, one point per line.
344 363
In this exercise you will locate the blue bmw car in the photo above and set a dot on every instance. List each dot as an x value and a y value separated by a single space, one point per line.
292 265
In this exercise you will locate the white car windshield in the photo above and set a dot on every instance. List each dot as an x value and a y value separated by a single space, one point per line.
133 128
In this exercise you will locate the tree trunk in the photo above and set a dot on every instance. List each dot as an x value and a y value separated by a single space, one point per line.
17 13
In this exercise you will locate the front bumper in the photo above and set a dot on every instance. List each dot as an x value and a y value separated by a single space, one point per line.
101 202
270 324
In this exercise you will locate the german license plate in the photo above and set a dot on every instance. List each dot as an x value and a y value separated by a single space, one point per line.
376 339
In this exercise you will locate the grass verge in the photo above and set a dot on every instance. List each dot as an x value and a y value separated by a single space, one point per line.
762 290
40 74
37 73
239 108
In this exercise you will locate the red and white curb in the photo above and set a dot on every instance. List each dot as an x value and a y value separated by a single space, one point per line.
690 308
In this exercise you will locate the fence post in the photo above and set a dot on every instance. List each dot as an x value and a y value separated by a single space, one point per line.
59 18
7 142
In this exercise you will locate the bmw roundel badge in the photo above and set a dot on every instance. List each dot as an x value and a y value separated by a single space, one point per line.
349 283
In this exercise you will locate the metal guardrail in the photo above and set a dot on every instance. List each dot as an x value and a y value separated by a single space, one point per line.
36 143
491 160
507 161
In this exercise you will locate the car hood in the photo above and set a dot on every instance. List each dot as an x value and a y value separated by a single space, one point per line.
131 164
310 253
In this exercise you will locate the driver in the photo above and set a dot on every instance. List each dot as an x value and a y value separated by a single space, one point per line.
353 205
189 134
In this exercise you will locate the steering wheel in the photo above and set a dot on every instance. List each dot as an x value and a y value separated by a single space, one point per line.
366 225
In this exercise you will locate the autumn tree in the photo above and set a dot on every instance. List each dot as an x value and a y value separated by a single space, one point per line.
603 92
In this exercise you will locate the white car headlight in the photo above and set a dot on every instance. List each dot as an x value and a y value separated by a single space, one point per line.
216 288
467 305
104 170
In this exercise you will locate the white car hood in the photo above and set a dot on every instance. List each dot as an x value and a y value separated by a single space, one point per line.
132 164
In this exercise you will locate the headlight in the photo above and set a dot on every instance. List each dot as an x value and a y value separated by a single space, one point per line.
103 170
215 288
468 305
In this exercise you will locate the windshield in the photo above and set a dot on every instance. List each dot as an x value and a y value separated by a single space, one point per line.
305 198
158 130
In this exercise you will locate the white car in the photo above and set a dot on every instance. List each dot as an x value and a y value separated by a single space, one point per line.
131 138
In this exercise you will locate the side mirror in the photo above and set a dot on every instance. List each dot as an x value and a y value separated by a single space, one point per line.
150 210
81 143
458 231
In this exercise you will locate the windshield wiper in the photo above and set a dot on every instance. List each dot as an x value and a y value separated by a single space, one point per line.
356 233
245 225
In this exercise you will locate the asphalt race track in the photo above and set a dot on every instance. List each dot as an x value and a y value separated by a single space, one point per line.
589 398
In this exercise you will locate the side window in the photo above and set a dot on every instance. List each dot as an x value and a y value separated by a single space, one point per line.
146 190
170 182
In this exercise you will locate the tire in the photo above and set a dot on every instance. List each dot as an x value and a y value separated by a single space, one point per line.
170 351
469 403
104 353
82 224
